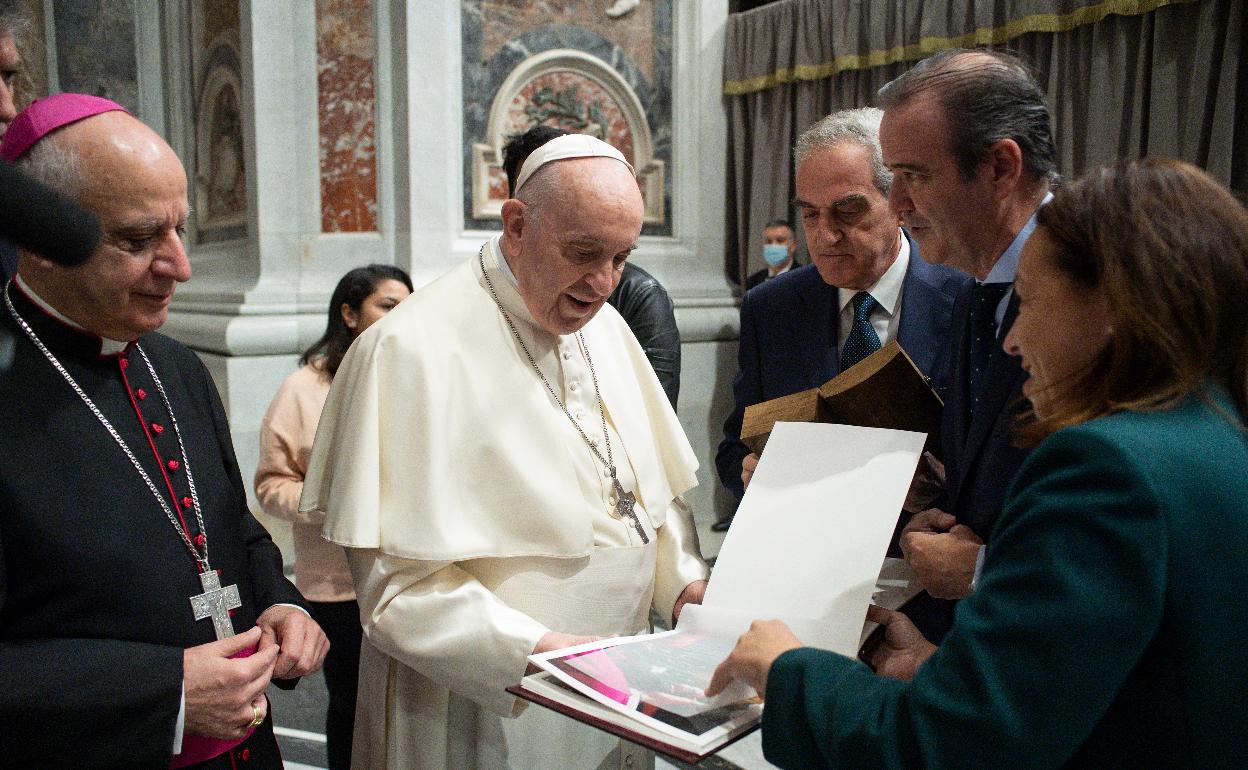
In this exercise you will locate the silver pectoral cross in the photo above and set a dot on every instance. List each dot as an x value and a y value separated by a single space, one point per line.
625 502
216 602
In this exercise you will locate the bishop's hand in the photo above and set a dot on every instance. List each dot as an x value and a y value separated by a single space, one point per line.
300 642
223 694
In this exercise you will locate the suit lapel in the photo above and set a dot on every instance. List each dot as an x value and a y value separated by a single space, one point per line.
815 329
1002 381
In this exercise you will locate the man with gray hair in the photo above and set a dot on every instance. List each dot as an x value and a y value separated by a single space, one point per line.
866 285
506 473
967 135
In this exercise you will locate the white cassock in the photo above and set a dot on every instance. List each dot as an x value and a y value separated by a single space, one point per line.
476 518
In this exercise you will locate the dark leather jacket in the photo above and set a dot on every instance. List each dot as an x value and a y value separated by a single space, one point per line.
649 312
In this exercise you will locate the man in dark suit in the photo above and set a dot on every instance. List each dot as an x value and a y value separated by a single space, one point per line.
866 285
779 252
968 138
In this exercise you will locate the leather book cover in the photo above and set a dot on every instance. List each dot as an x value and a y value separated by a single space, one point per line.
883 390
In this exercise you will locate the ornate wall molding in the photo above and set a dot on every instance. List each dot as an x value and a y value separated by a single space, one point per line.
576 91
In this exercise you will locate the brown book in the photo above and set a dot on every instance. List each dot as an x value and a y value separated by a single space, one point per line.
883 390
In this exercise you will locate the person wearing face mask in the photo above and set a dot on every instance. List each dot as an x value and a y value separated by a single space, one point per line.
779 252
363 296
865 287
506 472
1108 625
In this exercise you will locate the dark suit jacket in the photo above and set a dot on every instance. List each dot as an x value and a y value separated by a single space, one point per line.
977 447
95 584
758 276
1107 630
789 335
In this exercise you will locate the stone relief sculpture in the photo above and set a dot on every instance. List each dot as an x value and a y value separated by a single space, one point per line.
221 175
622 8
575 91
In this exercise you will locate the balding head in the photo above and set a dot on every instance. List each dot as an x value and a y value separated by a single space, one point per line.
130 178
567 236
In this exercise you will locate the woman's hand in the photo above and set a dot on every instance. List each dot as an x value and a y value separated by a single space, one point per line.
751 659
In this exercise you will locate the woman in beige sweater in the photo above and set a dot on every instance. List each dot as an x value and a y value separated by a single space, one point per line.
364 295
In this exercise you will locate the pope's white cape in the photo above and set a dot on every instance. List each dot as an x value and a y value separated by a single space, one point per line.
429 449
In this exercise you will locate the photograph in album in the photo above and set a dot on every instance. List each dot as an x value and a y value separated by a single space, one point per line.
661 679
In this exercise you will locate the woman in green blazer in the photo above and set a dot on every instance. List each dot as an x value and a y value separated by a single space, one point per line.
1109 627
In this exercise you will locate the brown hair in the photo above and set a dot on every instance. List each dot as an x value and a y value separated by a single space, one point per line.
1167 245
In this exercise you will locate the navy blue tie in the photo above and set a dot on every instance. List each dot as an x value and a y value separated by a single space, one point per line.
862 340
985 297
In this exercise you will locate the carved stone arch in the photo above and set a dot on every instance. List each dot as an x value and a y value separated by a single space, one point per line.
578 92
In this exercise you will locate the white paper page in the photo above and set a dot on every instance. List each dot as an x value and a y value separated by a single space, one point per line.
724 623
807 541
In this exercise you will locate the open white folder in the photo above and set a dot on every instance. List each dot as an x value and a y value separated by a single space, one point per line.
806 547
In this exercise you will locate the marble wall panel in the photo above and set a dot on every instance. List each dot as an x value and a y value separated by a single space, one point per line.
345 42
95 49
497 35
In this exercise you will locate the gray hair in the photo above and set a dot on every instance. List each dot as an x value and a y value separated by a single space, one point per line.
986 96
541 189
860 126
57 166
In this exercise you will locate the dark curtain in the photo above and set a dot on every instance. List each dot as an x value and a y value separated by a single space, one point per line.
1126 79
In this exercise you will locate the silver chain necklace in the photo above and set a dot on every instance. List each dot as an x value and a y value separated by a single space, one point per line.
625 501
216 601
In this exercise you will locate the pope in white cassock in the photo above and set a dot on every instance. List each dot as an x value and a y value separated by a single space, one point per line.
478 455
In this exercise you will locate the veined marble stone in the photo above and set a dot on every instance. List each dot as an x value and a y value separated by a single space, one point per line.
345 79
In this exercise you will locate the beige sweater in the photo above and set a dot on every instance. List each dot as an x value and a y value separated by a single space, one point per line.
286 435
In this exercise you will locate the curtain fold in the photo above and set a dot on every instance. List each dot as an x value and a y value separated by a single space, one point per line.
1166 81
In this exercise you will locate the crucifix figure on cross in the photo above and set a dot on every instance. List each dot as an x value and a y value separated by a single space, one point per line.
216 602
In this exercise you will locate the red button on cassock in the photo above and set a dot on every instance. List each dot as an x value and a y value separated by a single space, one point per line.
142 394
123 363
187 502
173 465
199 540
158 428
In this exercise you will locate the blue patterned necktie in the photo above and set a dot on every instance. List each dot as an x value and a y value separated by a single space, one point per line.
862 340
985 297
